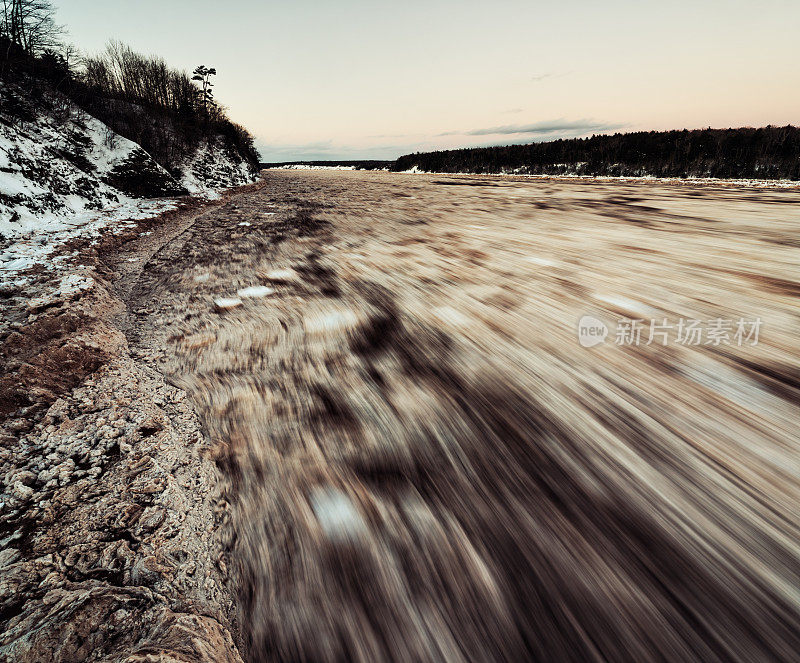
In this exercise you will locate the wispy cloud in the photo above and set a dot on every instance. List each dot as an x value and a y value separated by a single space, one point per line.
539 128
327 150
323 150
540 77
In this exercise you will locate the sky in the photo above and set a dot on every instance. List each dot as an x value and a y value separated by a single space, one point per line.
359 79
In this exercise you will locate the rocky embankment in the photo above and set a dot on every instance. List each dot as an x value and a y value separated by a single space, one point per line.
109 500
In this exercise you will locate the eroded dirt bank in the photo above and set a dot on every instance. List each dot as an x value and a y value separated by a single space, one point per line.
407 455
109 501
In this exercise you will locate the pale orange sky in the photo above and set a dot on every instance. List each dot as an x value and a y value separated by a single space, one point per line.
359 79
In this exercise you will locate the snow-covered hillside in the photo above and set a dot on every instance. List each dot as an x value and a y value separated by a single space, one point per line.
57 162
214 167
64 173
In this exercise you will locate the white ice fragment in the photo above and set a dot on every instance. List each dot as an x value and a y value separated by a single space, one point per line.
245 223
227 303
544 262
256 291
338 517
16 264
627 305
282 275
451 316
330 321
69 286
72 284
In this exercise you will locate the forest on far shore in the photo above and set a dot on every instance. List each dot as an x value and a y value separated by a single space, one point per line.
764 153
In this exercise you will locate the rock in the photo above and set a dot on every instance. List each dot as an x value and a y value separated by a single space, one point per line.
8 290
19 425
147 486
22 492
151 518
148 571
39 304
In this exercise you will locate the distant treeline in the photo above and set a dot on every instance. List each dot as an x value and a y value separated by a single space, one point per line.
766 153
364 164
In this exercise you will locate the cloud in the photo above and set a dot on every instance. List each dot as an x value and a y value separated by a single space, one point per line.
540 128
304 151
326 151
540 77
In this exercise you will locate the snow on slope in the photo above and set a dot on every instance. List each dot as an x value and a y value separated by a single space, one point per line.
37 243
57 162
58 171
65 174
213 168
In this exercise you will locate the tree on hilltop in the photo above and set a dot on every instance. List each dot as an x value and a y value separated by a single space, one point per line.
203 74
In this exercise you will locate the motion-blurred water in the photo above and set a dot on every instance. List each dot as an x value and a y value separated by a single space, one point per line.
424 464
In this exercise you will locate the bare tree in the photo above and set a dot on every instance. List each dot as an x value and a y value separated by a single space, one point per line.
30 25
121 73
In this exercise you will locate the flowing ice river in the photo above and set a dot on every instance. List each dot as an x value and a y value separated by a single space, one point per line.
476 418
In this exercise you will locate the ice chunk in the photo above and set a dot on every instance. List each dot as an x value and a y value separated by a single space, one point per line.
227 303
544 262
256 291
628 305
338 517
450 316
282 275
330 321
